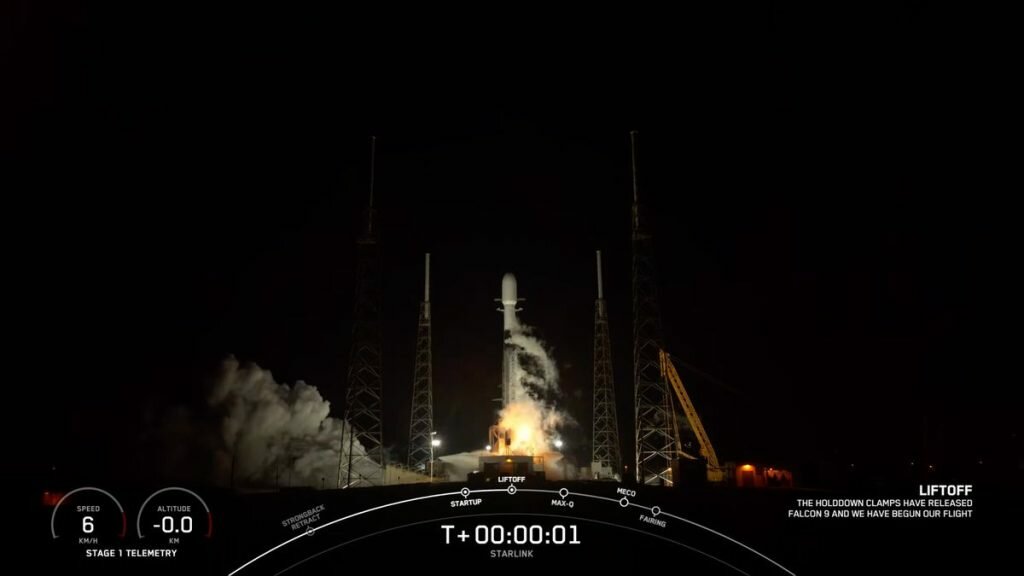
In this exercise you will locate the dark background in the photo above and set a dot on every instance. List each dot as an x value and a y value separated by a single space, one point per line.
187 184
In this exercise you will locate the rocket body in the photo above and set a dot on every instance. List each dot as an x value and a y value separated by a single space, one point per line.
510 324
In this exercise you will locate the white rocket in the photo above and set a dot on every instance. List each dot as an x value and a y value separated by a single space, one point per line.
509 299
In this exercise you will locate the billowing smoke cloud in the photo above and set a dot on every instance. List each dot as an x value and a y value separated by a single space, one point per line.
259 433
534 371
533 417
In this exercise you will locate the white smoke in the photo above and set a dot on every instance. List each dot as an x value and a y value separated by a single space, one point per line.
458 466
265 434
532 416
534 367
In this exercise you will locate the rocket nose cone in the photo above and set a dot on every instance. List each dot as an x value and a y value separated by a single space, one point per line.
508 288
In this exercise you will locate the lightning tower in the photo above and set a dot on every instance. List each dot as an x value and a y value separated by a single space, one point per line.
364 399
605 460
421 418
657 437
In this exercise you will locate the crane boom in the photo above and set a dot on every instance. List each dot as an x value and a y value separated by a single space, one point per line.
715 472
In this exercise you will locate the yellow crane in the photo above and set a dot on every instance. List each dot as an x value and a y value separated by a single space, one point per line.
715 472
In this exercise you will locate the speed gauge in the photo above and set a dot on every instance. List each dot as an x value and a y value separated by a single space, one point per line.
89 515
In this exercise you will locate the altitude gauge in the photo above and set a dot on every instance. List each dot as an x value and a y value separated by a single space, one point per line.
173 516
89 516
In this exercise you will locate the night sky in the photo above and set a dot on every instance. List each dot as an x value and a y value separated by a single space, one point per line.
194 181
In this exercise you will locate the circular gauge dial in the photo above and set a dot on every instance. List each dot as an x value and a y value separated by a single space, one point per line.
174 515
89 515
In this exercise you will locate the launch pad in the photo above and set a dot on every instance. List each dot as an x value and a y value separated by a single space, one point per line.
491 467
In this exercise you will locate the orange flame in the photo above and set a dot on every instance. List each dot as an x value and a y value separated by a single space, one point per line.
526 421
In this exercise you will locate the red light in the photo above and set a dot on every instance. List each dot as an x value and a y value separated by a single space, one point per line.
51 498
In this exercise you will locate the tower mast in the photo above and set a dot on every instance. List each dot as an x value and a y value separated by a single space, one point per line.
364 397
606 459
421 417
657 442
